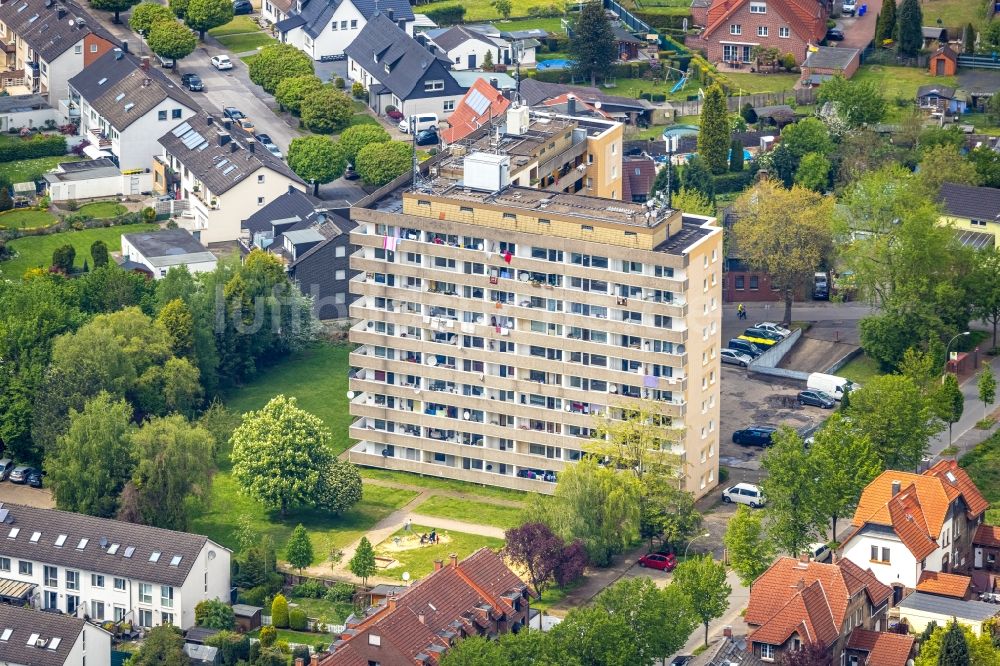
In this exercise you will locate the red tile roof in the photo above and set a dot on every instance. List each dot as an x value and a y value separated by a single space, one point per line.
883 649
808 598
805 17
944 584
465 120
987 535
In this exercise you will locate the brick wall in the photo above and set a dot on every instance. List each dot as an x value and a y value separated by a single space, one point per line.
91 40
749 23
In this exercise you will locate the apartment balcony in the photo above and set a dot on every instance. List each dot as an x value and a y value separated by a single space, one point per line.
69 109
100 139
7 45
567 179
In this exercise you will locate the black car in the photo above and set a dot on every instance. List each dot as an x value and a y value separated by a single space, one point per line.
754 436
682 660
263 138
233 113
333 58
428 137
192 82
816 399
242 7
350 173
834 35
745 346
35 478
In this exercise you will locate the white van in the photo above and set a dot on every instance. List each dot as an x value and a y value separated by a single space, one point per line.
423 121
850 7
830 384
744 493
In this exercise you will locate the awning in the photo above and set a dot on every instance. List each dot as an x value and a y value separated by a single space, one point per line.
94 152
15 590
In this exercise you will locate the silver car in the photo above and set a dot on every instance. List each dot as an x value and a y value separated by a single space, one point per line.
6 467
735 357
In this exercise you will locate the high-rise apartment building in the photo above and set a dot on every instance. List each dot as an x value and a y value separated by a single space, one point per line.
498 322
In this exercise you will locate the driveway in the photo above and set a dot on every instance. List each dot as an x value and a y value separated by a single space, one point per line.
860 30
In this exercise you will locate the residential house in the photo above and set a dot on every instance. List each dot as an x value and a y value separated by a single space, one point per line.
908 523
325 28
480 105
466 48
274 11
32 638
986 544
108 569
734 27
943 62
312 238
223 174
623 109
920 609
156 252
88 179
20 111
797 601
525 44
47 43
638 175
934 35
398 71
125 106
479 596
825 62
568 104
970 208
729 651
942 99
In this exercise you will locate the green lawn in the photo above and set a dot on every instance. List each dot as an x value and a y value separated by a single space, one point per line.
362 119
325 611
301 637
26 218
317 376
100 210
860 369
220 520
481 513
420 561
550 24
246 42
20 171
983 465
238 25
554 595
953 13
900 83
982 122
435 483
480 10
36 251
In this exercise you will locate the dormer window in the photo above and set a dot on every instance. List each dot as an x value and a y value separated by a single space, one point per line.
430 86
758 8
388 68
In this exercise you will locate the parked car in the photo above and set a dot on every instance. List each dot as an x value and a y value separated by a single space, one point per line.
422 121
682 660
745 347
816 399
761 338
6 467
850 7
246 124
166 63
192 82
333 58
744 493
242 7
773 328
735 357
428 137
221 62
20 474
274 150
754 436
658 561
35 478
832 385
834 35
819 552
232 113
821 287
350 173
263 138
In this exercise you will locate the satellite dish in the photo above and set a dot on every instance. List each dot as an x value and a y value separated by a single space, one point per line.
432 361
523 276
406 575
597 105
104 542
350 395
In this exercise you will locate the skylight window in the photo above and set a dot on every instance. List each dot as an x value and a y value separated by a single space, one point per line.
5 636
102 81
35 537
60 540
175 560
82 544
128 107
54 643
32 638
14 531
119 97
129 550
154 556
113 549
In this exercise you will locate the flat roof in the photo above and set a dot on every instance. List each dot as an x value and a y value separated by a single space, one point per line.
169 247
977 611
310 235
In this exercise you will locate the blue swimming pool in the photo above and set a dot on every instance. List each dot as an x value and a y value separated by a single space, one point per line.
558 63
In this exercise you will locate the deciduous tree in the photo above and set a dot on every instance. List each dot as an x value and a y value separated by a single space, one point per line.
116 6
660 620
353 139
809 654
693 201
593 43
380 163
290 92
279 453
339 487
703 581
791 257
713 135
858 103
987 387
170 39
809 135
162 646
813 172
362 564
177 320
891 412
326 110
214 614
503 8
597 637
316 160
948 402
474 651
146 14
276 62
535 548
299 550
203 15
750 549
791 491
846 462
944 164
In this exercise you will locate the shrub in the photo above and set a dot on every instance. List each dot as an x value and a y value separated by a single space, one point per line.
447 15
310 589
71 204
732 182
63 257
267 636
551 10
40 145
659 97
255 596
395 114
300 652
357 90
339 83
234 647
148 214
341 593
279 611
390 108
297 619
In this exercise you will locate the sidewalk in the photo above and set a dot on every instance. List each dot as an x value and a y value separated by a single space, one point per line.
965 434
738 600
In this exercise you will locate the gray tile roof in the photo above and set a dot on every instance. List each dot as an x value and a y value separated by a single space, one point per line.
15 103
103 167
534 92
829 57
946 92
457 35
315 15
969 201
409 62
50 28
294 207
118 88
957 608
52 629
220 158
533 33
728 652
169 247
131 558
623 35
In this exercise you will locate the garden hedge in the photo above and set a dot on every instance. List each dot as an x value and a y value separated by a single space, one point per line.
732 182
296 619
40 145
447 15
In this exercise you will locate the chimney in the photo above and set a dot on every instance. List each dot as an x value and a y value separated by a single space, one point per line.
251 144
804 557
421 618
118 54
209 120
727 631
125 46
227 123
233 147
454 559
291 188
224 138
896 487
402 24
391 14
570 105
61 13
314 659
144 63
438 564
299 662
390 602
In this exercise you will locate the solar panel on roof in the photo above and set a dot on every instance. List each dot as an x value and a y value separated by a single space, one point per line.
191 139
222 163
180 129
229 169
478 102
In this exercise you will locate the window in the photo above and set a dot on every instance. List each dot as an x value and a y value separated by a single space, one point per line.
96 580
341 275
340 251
72 603
333 25
97 610
449 105
166 596
431 86
758 8
754 282
166 618
767 652
24 567
354 23
4 564
739 282
145 593
93 48
735 29
120 584
145 618
260 201
340 298
343 25
78 49
175 114
161 115
510 216
784 32
72 580
762 31
978 223
885 555
51 576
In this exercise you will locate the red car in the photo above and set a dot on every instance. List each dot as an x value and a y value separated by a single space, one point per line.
658 561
